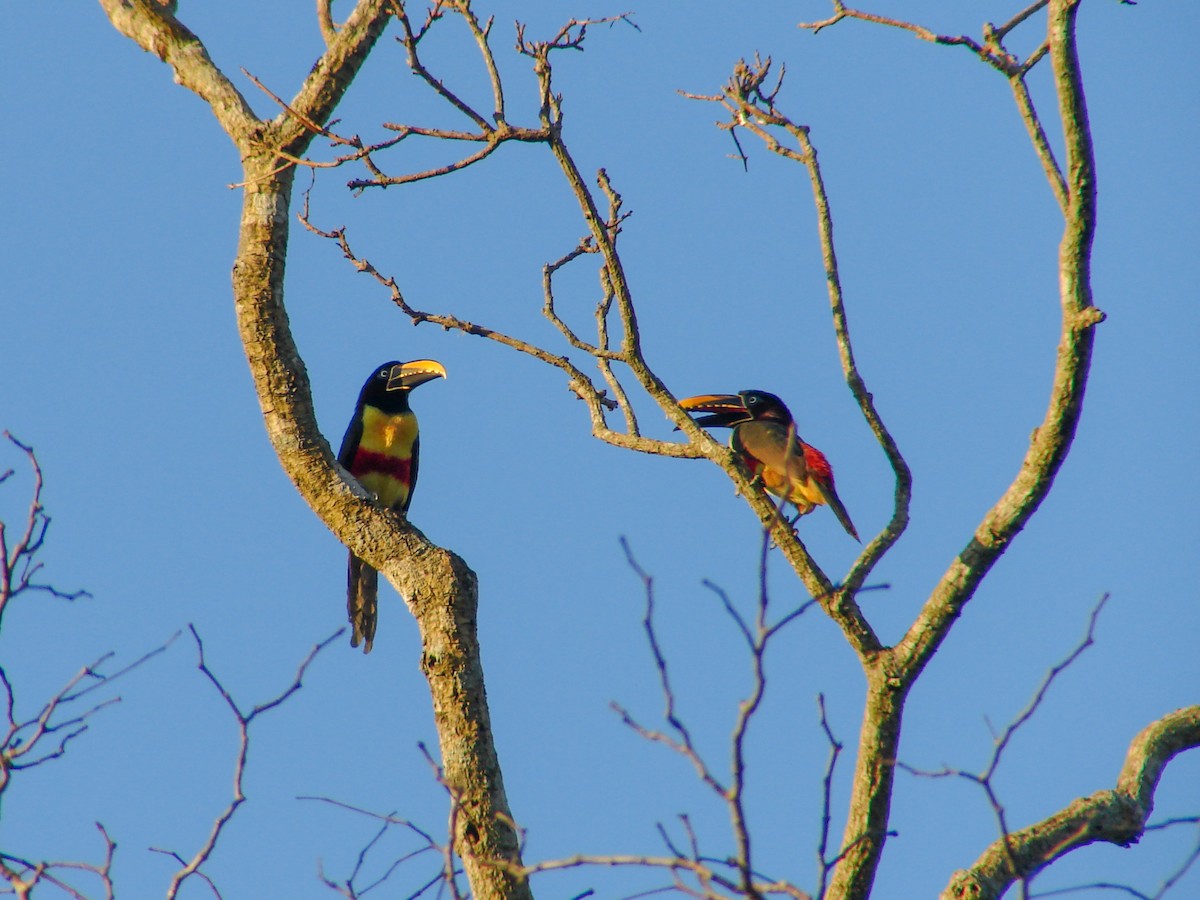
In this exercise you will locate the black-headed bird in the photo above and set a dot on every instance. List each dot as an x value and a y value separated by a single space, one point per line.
380 449
765 440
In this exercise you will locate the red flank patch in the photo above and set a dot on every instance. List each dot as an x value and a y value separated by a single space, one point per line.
818 464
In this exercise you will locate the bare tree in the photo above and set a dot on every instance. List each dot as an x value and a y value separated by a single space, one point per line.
438 586
37 738
33 740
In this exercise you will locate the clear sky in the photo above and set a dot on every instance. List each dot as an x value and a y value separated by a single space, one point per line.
120 363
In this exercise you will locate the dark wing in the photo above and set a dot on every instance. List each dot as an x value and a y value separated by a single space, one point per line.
351 439
412 471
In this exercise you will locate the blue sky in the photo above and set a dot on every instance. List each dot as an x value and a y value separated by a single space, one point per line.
120 363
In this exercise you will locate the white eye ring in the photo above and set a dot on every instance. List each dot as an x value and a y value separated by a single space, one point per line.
383 373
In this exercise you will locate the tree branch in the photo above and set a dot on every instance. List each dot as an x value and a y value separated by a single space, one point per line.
154 28
891 672
325 21
24 875
438 586
754 109
1001 741
244 720
1051 441
757 636
1115 816
426 844
330 77
992 51
19 562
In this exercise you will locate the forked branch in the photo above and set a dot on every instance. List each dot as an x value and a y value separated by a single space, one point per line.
734 872
1116 816
19 559
244 720
23 875
753 108
891 672
426 845
991 50
1002 740
440 589
617 346
1052 440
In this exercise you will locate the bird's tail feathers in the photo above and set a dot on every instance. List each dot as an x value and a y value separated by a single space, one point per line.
362 602
835 504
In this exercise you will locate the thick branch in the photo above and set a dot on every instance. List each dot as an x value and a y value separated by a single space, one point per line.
154 28
331 75
1052 439
440 589
892 673
867 818
1115 816
438 586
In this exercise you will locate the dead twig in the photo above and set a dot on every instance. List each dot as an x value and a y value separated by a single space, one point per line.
18 561
244 720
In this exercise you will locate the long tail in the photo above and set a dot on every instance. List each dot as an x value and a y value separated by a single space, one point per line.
362 595
835 504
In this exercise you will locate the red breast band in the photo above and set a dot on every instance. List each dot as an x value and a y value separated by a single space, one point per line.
367 462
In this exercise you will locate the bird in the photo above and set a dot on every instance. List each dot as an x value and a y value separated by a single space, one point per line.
380 449
765 440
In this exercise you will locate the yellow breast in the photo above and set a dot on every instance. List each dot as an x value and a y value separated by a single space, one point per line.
386 433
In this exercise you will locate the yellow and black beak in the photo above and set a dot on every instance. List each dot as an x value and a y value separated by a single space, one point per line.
406 376
726 410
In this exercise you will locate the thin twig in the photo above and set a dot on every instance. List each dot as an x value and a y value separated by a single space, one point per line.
835 750
244 721
19 562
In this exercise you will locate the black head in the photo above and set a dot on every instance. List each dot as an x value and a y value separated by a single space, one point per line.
761 405
389 385
728 410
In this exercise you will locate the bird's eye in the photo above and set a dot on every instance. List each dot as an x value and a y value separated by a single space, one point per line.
383 373
752 400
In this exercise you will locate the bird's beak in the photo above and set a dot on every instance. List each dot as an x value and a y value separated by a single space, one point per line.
726 410
409 375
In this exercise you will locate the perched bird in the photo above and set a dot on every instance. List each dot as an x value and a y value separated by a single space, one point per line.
764 438
380 450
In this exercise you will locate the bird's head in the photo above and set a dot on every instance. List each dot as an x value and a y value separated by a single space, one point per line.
394 380
728 410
